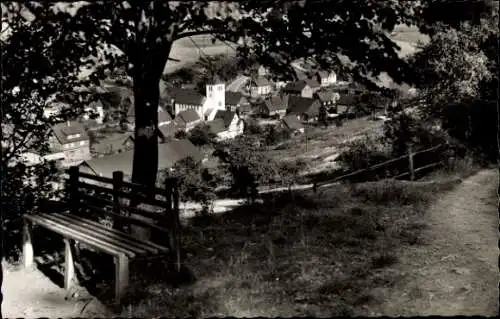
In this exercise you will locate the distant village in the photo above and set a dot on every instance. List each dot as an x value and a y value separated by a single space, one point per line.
103 144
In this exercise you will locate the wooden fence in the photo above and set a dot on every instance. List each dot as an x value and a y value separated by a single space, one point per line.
411 166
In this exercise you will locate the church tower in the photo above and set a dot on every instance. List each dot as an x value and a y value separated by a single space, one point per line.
216 98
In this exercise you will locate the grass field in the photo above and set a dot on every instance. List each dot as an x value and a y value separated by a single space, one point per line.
309 254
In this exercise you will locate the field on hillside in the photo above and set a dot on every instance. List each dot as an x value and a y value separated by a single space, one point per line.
310 254
319 146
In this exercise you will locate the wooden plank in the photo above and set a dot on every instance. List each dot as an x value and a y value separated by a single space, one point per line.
116 232
142 188
96 178
71 234
121 277
99 228
69 266
93 187
133 220
27 245
91 231
418 169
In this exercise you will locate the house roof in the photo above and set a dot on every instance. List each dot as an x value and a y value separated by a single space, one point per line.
277 103
261 81
188 116
63 130
217 126
296 86
186 96
312 83
226 116
299 105
111 142
292 122
164 116
233 98
325 96
168 155
347 99
168 130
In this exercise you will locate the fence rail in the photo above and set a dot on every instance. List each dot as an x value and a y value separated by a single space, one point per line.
414 162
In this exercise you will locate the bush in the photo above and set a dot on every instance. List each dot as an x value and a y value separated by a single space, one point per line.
363 153
201 135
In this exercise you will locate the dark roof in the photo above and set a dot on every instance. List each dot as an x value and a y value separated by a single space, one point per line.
312 83
217 126
299 105
168 155
296 86
233 98
325 96
186 96
188 116
347 99
168 130
323 74
261 81
164 116
292 122
277 103
63 130
112 142
226 116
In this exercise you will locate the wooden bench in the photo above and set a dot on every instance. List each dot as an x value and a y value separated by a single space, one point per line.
91 200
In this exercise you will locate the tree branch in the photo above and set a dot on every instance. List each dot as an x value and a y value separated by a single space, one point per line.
192 33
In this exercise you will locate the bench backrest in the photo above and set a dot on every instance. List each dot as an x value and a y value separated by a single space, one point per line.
96 197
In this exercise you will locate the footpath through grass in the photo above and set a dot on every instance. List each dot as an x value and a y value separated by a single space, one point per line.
310 254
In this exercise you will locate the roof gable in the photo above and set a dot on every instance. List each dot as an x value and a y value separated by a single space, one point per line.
186 96
63 131
292 122
233 98
226 116
217 126
296 86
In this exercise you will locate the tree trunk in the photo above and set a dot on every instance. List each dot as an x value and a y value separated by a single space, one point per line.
148 69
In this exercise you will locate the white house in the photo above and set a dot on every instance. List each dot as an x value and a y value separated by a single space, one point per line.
233 125
326 78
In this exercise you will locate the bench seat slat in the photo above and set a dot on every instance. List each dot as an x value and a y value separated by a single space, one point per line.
72 234
113 233
93 231
117 232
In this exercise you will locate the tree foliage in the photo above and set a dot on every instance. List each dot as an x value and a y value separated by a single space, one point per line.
248 166
196 184
201 135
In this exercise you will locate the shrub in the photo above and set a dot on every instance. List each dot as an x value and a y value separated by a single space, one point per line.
363 153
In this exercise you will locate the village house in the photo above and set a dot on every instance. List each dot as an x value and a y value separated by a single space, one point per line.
168 155
275 106
233 125
97 109
292 124
326 78
299 88
187 120
163 117
110 144
71 139
260 87
234 100
305 109
327 98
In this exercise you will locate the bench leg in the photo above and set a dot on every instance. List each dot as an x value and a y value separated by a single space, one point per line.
27 245
121 277
69 266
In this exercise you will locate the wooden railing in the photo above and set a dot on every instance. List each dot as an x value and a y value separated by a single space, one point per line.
91 196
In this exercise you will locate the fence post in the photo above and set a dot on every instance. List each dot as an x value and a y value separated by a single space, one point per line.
73 189
410 162
117 185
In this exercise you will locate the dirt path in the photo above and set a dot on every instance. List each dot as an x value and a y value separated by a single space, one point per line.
29 293
456 271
